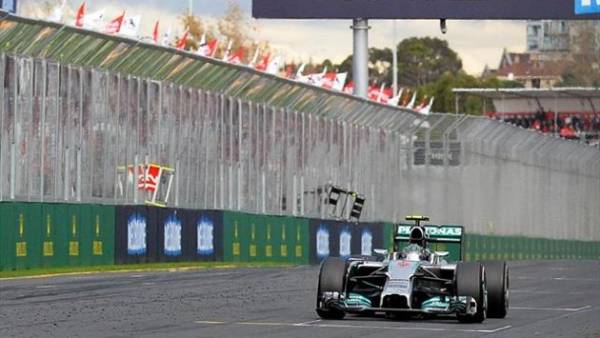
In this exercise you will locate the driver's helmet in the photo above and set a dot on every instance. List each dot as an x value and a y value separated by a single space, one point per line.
417 236
414 253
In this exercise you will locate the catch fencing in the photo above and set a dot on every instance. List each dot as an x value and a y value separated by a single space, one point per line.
82 111
67 131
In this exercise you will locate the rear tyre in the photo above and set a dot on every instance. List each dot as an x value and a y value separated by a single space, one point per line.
470 281
497 286
332 278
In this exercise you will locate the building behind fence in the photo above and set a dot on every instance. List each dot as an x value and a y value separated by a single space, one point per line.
230 138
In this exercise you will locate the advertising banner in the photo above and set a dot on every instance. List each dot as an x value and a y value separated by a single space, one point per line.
136 234
189 235
343 239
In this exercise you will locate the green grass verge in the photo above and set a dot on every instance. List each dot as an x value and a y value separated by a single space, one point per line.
176 266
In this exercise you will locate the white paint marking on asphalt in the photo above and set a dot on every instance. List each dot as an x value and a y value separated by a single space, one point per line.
495 330
265 323
347 326
209 322
316 323
307 323
137 276
148 283
567 309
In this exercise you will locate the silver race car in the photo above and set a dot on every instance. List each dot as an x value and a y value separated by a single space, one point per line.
414 280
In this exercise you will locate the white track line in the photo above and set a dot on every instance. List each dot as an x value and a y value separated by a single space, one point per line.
495 330
307 323
265 323
318 323
567 309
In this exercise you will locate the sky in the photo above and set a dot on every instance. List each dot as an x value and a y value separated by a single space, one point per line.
477 42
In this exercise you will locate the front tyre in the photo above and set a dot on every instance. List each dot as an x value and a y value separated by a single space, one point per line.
470 281
497 287
332 278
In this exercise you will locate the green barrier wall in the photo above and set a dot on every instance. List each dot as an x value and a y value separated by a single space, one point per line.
485 247
262 238
34 235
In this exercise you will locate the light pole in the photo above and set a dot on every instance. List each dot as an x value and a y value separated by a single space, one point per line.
360 59
394 63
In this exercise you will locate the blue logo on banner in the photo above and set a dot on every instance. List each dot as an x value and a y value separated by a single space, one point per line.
322 241
345 240
587 6
205 234
366 243
136 234
172 236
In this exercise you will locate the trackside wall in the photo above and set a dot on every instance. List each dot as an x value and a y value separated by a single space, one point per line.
48 235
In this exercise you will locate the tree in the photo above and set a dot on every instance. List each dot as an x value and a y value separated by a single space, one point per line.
420 61
424 60
582 66
234 26
196 28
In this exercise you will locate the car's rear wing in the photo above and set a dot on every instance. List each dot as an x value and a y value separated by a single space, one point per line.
440 238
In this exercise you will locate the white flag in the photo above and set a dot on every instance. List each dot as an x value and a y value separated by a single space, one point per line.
340 81
396 99
57 12
299 75
427 109
94 20
254 58
317 79
274 65
166 38
411 104
131 26
227 51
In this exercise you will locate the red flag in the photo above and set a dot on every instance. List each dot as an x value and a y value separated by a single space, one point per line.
237 57
373 92
181 42
155 32
264 63
208 49
349 88
153 173
79 16
114 26
328 80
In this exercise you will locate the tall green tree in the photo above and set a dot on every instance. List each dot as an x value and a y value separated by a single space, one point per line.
424 60
582 65
420 61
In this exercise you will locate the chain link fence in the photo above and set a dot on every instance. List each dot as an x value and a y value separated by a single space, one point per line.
77 134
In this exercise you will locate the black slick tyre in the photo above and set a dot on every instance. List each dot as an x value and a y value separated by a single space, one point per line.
498 288
470 281
332 278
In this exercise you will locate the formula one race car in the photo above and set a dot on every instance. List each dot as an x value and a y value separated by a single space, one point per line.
414 280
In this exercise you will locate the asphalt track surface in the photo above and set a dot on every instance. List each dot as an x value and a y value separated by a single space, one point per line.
548 299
